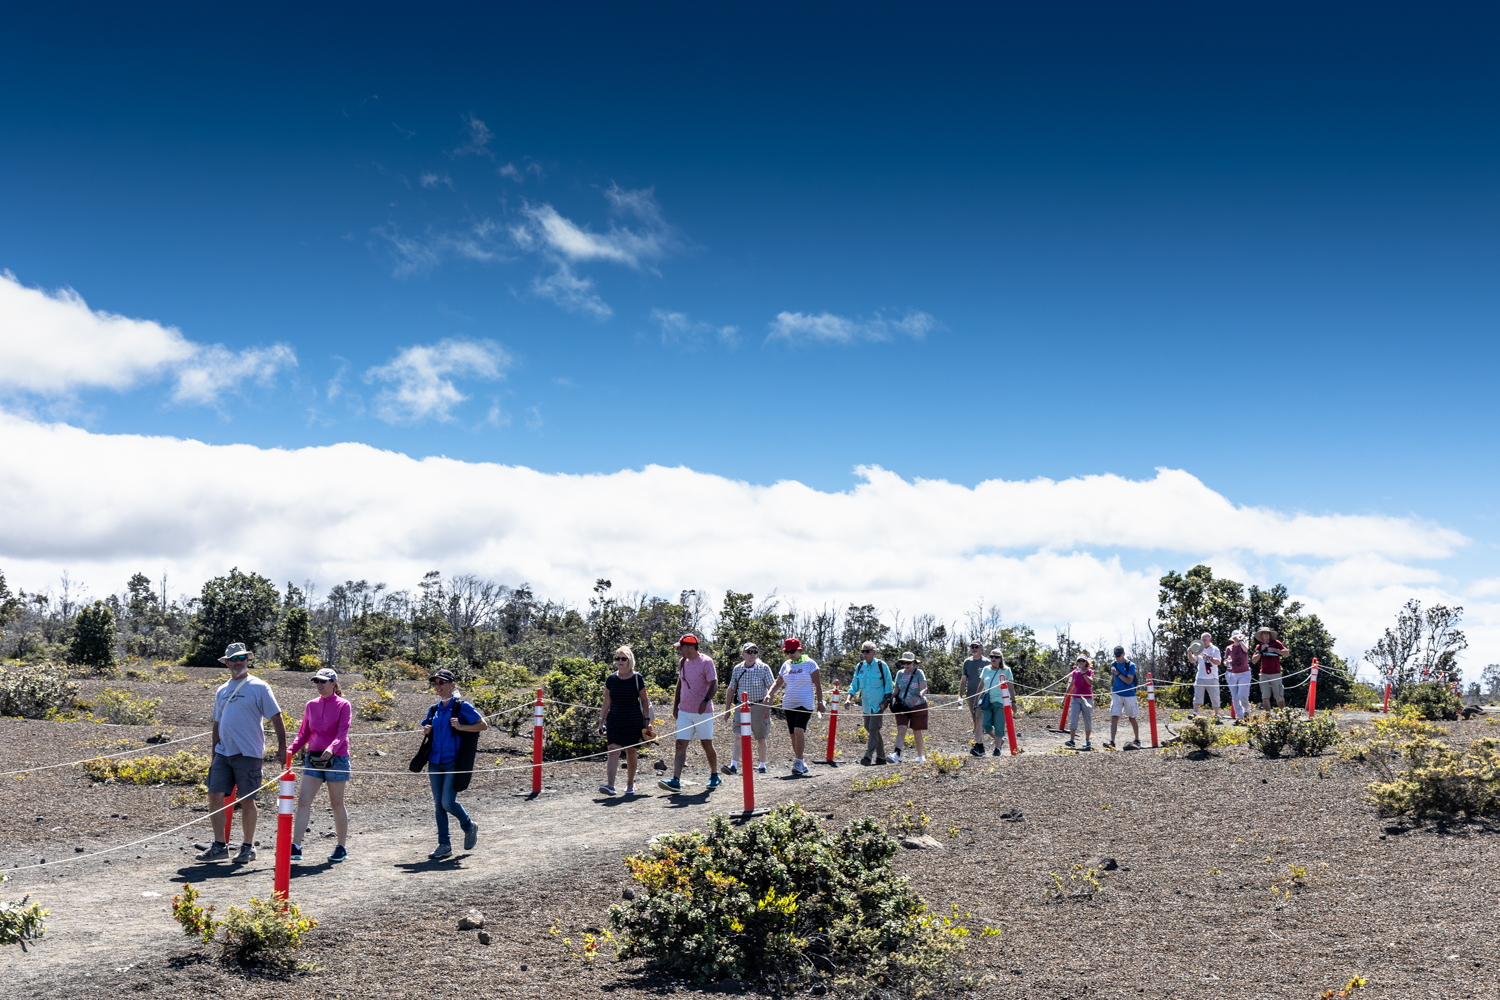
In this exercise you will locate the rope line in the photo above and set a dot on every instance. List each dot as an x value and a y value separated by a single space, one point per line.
122 753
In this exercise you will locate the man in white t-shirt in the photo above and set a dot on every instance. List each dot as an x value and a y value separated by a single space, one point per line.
1206 683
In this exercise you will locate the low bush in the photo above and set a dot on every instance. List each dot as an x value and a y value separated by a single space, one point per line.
186 767
265 932
572 728
1438 779
1431 700
125 709
788 903
306 663
32 690
1311 737
394 670
507 675
1198 733
1284 728
379 706
21 920
944 763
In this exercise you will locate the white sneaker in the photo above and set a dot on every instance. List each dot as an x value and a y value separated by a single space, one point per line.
894 758
798 767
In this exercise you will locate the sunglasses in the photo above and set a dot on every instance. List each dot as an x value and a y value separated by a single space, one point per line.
622 659
320 680
994 657
438 683
238 659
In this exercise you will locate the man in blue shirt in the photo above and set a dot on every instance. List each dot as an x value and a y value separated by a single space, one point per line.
1122 701
872 682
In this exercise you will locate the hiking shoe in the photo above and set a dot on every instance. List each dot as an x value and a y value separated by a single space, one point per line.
798 767
865 761
733 767
1070 743
1108 744
997 750
340 853
471 836
671 784
296 852
214 852
714 781
977 750
246 855
1088 745
1136 744
607 789
881 761
895 757
442 851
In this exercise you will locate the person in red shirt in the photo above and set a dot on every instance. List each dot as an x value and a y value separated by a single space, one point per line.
1267 655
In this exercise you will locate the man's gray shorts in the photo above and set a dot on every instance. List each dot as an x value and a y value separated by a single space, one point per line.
239 773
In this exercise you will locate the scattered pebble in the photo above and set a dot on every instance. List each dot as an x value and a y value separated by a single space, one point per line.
627 894
484 937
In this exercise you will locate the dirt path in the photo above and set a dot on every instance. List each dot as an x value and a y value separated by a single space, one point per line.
111 913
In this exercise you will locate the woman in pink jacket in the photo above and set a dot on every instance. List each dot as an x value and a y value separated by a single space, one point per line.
325 733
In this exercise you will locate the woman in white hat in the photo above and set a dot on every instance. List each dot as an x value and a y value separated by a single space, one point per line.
909 702
1238 674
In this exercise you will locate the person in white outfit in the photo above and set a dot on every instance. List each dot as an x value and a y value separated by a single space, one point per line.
1206 684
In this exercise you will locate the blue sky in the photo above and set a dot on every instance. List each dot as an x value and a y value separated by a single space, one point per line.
1256 243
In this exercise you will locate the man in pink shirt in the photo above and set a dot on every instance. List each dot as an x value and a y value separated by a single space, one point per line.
693 705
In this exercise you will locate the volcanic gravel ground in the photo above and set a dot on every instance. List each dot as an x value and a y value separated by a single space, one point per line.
1188 913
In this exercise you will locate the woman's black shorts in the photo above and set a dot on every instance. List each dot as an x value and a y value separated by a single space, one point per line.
627 735
797 718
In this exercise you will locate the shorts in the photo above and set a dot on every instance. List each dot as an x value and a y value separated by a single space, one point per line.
1084 707
695 725
625 734
1271 687
1124 704
797 718
992 717
916 719
237 772
1205 688
971 702
337 769
760 721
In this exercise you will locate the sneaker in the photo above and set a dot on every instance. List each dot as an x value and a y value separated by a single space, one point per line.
1108 744
1070 743
214 852
246 855
977 750
471 836
296 852
733 767
629 789
340 853
714 781
671 784
1087 745
997 750
798 767
865 761
895 757
1136 744
881 761
607 789
761 767
443 851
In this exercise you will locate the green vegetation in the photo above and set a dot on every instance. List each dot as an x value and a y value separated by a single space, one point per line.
93 642
1431 700
265 933
1280 729
185 767
21 920
240 607
785 902
1440 780
34 690
125 709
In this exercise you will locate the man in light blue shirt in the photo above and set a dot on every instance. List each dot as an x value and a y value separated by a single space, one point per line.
872 682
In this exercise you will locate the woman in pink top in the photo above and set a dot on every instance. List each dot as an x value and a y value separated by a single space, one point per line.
1081 692
325 733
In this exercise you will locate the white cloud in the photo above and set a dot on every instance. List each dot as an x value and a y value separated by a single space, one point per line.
826 328
680 330
429 179
477 138
55 345
573 293
1086 551
421 378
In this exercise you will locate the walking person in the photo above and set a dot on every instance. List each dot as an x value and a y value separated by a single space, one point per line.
804 695
910 705
991 701
693 705
1238 675
241 705
752 677
1081 702
450 761
1267 655
969 688
1124 679
325 734
1206 682
626 708
873 683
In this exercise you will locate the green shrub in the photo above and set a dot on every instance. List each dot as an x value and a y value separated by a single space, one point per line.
1439 780
21 920
306 663
196 920
1432 700
785 901
394 670
572 728
1311 737
379 706
507 675
31 691
264 933
93 642
125 709
1198 733
185 767
1271 732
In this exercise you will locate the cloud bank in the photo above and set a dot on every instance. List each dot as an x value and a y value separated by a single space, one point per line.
55 345
1085 551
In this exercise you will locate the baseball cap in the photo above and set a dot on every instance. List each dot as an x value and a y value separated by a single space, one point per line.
444 675
749 647
791 646
689 638
1119 650
326 674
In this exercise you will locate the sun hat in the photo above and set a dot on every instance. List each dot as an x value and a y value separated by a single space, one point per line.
234 649
908 657
690 638
866 645
749 647
326 674
1194 648
444 675
791 646
1080 658
1236 634
1268 630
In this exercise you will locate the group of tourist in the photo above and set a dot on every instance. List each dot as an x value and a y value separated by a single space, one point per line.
451 726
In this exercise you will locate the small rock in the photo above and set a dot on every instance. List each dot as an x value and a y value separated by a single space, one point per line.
818 989
484 937
1382 836
1263 781
523 966
630 893
39 819
123 816
1016 971
471 921
77 850
114 815
380 753
1103 864
922 843
660 765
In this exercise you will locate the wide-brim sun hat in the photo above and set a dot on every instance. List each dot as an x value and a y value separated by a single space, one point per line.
1268 630
908 657
234 649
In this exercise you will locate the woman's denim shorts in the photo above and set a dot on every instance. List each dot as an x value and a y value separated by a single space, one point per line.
337 769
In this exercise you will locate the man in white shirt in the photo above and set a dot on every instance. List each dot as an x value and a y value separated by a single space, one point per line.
1206 683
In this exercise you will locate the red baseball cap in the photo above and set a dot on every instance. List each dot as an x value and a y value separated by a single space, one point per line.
791 646
690 637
